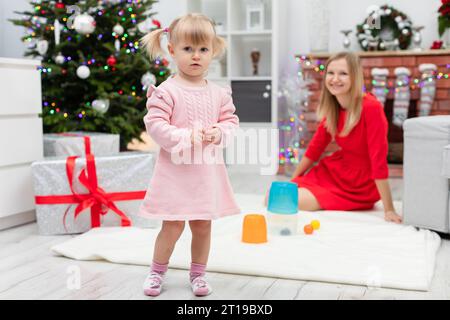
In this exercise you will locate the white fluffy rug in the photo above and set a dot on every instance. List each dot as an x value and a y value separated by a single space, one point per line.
357 248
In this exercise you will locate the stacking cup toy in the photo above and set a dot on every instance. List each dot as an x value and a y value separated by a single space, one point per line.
254 229
283 208
283 197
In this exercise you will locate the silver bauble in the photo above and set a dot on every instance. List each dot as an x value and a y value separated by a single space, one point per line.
147 80
84 23
83 72
118 29
100 105
145 26
59 59
42 47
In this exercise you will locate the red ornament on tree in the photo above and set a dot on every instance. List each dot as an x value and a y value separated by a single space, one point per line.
111 61
156 23
60 5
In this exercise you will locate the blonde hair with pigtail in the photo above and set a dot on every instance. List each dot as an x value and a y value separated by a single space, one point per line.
194 28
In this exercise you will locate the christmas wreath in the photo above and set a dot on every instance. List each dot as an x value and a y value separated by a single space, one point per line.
385 28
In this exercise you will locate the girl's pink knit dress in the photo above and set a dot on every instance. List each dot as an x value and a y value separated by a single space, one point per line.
199 190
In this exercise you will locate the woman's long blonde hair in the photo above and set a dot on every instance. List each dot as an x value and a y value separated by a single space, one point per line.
194 28
329 106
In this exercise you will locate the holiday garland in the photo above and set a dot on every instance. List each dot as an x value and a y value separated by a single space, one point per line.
384 18
318 66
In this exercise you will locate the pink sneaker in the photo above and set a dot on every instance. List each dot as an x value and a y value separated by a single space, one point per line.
200 286
153 284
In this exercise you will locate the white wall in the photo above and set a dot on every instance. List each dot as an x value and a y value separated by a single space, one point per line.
10 44
420 12
344 14
168 10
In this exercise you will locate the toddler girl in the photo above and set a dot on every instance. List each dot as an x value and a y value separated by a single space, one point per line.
187 113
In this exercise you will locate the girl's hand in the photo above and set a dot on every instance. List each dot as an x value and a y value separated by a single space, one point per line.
212 135
196 136
392 216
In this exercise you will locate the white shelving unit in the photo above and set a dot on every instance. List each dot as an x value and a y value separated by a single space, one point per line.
250 92
237 64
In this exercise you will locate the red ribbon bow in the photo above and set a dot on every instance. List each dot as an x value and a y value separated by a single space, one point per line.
97 198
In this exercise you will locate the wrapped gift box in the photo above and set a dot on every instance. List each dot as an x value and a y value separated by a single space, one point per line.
72 144
122 176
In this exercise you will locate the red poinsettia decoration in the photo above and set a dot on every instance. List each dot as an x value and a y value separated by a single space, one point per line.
444 16
436 45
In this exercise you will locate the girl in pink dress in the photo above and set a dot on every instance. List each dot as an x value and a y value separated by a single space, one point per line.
191 119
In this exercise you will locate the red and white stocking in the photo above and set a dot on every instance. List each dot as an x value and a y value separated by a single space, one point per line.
428 88
402 96
379 81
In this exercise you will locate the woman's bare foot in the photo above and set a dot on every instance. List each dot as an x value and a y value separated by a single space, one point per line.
392 216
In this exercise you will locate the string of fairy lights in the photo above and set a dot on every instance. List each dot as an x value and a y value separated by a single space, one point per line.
290 154
414 82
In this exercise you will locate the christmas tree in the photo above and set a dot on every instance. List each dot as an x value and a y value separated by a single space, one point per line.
94 75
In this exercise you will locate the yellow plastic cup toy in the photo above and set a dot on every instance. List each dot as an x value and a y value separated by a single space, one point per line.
254 229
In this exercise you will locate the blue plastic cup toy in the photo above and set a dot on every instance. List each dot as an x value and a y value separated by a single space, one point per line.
283 208
283 197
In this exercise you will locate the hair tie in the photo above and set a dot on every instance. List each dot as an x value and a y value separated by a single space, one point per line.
166 30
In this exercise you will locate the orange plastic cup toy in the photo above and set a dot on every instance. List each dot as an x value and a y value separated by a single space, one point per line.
254 229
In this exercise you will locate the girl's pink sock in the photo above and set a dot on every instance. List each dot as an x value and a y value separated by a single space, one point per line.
199 284
197 270
159 268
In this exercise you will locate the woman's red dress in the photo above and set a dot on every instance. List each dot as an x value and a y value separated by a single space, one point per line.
345 180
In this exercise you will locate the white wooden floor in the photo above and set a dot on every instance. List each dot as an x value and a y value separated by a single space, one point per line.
28 270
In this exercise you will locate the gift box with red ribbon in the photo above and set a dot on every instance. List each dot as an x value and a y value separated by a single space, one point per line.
74 194
72 143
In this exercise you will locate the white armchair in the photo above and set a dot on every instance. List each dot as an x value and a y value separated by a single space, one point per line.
426 170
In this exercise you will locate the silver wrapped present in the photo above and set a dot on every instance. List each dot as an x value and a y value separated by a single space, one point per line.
120 177
67 144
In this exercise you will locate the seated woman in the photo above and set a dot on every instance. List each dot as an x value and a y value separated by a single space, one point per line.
356 176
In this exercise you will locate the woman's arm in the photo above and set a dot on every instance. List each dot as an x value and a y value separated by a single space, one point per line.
386 197
302 167
315 149
377 142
